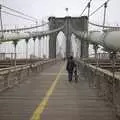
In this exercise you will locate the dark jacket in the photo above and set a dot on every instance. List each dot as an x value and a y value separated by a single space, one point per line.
70 65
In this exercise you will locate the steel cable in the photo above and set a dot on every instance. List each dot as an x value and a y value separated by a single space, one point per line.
19 12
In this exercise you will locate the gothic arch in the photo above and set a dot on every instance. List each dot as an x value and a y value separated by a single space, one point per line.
78 23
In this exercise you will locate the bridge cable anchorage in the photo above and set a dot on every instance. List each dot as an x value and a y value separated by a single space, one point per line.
25 28
21 13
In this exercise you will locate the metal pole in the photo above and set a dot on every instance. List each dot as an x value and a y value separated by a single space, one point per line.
41 47
15 56
34 46
46 46
105 7
15 44
26 50
1 20
39 50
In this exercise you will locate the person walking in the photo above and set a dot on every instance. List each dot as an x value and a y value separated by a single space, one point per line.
70 67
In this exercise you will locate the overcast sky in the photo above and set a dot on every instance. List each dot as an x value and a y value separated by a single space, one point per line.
41 9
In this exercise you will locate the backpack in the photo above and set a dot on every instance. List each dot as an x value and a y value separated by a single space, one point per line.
70 65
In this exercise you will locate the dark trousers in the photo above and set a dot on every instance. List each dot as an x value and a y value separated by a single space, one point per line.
70 74
76 76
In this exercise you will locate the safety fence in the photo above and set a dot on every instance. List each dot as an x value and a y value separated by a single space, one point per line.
105 82
9 77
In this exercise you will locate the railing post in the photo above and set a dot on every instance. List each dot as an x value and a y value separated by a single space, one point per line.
6 82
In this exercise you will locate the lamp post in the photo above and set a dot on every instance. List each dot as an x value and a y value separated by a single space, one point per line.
34 38
26 40
1 21
15 44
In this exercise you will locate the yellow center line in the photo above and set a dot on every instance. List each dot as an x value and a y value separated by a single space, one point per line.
39 110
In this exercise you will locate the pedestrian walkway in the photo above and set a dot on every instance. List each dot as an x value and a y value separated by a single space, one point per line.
49 96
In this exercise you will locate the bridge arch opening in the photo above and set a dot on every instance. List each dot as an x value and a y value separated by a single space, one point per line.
75 46
61 45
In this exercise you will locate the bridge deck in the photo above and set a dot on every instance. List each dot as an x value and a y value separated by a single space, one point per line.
49 96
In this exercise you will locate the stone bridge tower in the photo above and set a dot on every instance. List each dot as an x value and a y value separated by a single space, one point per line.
77 23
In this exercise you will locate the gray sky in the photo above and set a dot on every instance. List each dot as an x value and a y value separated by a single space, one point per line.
41 9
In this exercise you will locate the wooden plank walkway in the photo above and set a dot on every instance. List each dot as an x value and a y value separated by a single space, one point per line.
52 97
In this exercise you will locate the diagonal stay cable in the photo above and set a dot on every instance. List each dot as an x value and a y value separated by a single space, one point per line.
99 8
84 10
86 7
96 10
17 16
18 12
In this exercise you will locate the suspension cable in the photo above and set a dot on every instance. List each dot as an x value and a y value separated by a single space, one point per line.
17 16
56 30
103 26
18 12
83 10
86 7
25 28
35 34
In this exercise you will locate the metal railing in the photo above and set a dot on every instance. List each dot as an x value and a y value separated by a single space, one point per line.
102 80
9 77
